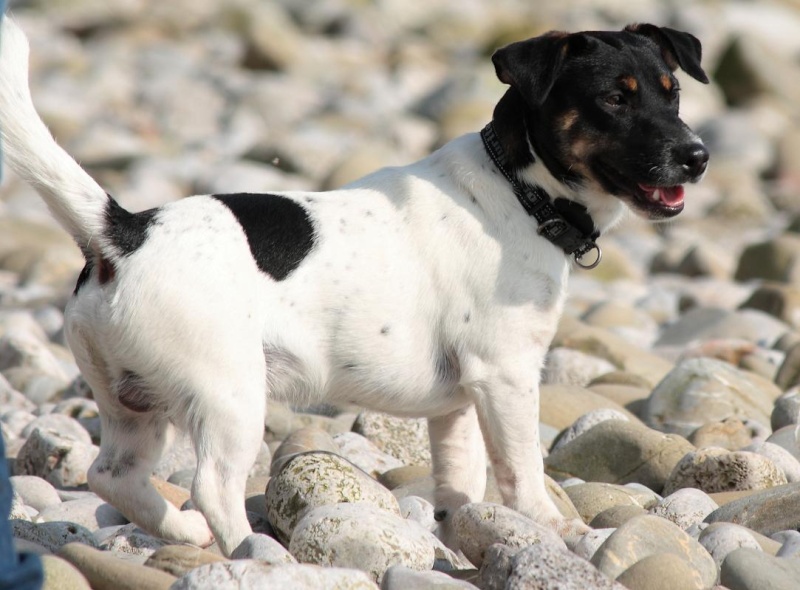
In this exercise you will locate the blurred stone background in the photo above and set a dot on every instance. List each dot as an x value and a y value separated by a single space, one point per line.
160 100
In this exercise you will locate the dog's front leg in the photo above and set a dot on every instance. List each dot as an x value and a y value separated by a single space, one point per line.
508 411
459 465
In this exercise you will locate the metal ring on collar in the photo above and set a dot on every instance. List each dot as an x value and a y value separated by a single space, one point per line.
594 263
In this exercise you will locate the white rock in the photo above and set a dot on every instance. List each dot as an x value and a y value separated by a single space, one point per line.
364 537
419 510
790 543
93 513
250 574
16 420
130 540
399 577
573 367
35 491
685 507
785 461
479 525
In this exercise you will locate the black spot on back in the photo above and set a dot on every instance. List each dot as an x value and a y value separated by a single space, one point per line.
279 231
133 393
126 230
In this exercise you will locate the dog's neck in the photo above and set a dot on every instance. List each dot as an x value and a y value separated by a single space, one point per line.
562 221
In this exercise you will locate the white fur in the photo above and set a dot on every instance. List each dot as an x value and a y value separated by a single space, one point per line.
439 252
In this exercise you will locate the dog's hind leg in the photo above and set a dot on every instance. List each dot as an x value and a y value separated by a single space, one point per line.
130 447
227 430
459 466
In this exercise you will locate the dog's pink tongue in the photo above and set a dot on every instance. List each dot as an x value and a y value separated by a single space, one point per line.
670 196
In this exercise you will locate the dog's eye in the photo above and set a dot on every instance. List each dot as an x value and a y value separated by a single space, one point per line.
615 100
674 94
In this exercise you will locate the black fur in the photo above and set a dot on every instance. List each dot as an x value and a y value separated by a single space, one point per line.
126 230
86 272
279 231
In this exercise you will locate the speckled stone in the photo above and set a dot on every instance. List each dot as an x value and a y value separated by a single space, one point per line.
250 574
685 507
361 536
296 489
547 566
405 439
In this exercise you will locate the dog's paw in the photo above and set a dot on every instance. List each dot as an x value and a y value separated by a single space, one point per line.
195 529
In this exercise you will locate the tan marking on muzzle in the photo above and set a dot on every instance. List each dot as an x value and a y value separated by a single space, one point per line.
630 83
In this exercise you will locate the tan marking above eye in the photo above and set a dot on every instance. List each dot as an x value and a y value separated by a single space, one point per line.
568 119
630 83
666 82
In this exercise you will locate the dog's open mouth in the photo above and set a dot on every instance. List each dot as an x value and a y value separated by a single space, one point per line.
657 202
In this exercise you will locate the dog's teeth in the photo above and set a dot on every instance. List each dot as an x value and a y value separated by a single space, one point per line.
655 196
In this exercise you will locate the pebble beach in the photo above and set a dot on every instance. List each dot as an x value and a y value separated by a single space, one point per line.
670 401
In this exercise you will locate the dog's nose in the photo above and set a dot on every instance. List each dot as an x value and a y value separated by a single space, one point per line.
694 159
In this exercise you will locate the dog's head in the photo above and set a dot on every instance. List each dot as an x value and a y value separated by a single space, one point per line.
602 110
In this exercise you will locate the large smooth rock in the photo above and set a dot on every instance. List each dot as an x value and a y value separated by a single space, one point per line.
63 425
544 566
405 439
399 577
316 479
302 440
91 512
364 537
61 460
59 574
106 572
702 390
615 451
719 470
35 492
752 569
773 260
250 574
263 548
478 526
648 535
721 540
767 512
587 422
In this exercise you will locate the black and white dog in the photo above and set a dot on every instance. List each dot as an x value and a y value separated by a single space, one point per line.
429 290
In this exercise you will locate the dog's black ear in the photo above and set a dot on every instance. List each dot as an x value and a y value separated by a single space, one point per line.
677 48
531 66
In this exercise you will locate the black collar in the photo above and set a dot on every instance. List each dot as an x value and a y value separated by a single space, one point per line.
564 223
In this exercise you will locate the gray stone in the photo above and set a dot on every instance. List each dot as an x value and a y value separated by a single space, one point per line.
730 434
586 422
496 566
704 390
685 507
250 574
786 410
788 438
751 569
52 535
619 452
405 439
298 488
703 324
91 512
591 542
616 516
544 566
573 367
789 372
648 535
61 460
719 470
263 548
767 511
790 543
399 577
363 453
592 498
561 405
720 541
478 526
361 536
773 260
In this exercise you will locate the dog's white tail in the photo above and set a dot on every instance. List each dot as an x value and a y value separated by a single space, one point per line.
76 201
